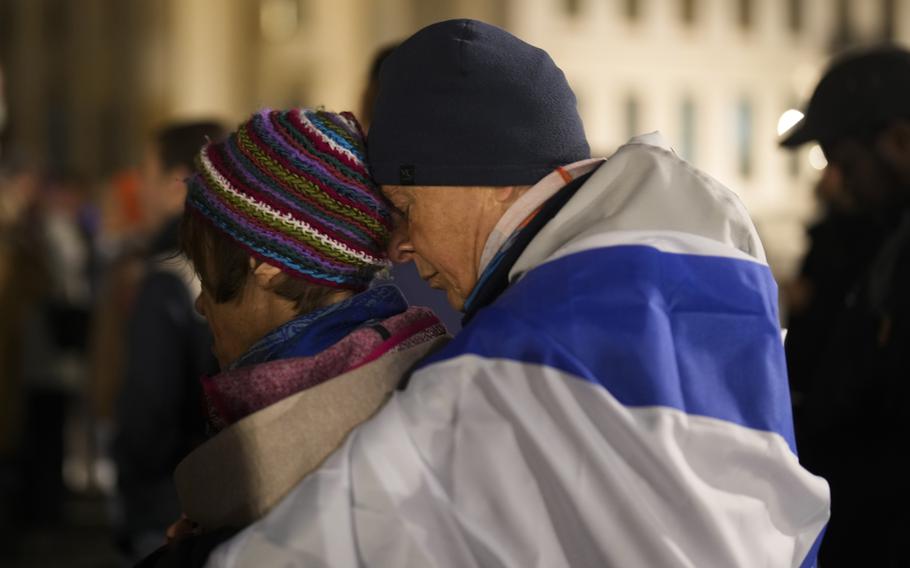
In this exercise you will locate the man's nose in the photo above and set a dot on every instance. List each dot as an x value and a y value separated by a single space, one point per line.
400 249
833 174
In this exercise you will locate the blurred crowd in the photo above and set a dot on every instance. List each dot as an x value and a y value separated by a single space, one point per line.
74 257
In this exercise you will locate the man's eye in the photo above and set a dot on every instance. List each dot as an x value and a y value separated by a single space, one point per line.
402 214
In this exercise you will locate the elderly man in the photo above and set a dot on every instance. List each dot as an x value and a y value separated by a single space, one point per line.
617 396
853 422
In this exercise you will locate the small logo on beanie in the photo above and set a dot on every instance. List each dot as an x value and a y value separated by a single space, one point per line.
406 174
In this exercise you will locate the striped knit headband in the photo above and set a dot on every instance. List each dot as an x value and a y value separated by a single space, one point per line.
292 188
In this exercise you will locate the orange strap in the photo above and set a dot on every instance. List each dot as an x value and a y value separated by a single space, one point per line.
566 176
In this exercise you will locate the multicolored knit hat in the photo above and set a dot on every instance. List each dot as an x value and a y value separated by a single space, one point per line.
292 187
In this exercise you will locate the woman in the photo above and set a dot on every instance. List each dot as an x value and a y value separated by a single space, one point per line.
287 231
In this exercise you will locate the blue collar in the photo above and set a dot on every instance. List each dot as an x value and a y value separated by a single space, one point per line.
318 330
490 269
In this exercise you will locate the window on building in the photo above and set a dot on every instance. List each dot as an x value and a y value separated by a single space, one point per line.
793 162
279 20
795 15
744 138
633 10
688 9
572 7
687 129
889 14
633 116
843 33
744 14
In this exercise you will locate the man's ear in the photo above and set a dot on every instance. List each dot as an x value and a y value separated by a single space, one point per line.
266 275
894 146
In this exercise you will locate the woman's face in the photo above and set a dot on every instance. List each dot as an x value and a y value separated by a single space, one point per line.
238 323
233 324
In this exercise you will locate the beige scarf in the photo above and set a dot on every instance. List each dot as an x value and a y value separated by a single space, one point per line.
242 472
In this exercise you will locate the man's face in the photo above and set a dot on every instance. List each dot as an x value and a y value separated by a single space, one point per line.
443 230
865 178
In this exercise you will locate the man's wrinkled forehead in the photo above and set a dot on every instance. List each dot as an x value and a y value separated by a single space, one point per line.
398 195
391 191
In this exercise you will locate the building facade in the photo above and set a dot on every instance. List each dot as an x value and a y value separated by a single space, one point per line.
87 79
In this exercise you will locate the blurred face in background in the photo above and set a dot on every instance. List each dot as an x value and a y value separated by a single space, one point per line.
830 191
161 191
864 180
874 173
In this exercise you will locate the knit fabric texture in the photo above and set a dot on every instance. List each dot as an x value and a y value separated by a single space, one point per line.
232 395
465 103
292 188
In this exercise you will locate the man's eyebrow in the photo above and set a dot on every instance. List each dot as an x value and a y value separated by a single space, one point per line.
397 199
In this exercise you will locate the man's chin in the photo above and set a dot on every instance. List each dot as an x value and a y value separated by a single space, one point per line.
455 300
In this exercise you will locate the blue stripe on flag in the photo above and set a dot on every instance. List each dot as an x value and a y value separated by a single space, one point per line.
695 333
811 559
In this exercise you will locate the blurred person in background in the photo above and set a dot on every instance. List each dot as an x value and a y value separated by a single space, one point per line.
54 330
23 282
405 275
9 391
121 265
167 348
836 256
287 231
852 422
617 395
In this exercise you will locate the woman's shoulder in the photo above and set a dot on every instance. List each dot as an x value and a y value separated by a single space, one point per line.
243 471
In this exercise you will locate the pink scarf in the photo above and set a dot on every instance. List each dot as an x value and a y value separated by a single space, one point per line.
231 395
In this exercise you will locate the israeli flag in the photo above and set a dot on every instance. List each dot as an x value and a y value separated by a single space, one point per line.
623 403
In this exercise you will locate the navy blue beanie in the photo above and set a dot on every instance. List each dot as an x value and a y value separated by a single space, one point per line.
464 103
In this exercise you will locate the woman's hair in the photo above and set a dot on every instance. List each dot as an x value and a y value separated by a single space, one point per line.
223 267
290 188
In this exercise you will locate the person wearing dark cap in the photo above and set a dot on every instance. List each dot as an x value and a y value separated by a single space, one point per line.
617 395
405 275
851 424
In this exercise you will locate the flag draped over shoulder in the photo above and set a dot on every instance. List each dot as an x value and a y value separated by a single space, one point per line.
623 403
